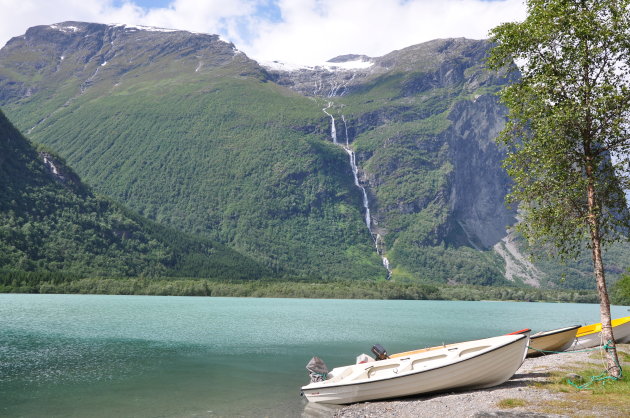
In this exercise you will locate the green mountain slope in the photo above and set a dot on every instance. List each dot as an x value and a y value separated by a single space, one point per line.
189 132
51 222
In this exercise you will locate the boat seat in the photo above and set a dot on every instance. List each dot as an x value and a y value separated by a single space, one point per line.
472 350
427 361
347 372
387 369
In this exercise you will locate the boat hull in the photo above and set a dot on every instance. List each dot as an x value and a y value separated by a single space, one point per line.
556 340
449 368
591 336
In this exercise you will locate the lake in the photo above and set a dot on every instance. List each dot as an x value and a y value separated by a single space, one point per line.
151 356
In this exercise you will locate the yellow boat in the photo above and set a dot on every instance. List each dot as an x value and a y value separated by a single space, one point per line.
590 335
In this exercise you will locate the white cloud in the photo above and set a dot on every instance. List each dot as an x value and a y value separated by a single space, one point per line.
199 16
321 29
310 31
19 15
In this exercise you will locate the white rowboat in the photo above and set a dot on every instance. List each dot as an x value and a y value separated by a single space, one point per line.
552 341
468 365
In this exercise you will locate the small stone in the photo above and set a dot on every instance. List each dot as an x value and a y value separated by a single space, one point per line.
575 377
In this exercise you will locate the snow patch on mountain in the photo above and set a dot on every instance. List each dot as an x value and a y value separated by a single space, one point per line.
65 28
147 28
329 66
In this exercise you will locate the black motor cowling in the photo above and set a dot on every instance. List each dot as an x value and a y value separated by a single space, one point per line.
379 352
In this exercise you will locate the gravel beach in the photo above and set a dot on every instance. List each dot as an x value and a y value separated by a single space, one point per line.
485 403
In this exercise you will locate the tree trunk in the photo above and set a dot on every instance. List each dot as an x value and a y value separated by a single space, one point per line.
593 219
608 340
613 367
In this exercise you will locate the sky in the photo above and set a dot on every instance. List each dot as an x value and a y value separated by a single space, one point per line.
293 31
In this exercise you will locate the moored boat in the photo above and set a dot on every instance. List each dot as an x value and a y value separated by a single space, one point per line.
468 365
552 341
525 331
591 335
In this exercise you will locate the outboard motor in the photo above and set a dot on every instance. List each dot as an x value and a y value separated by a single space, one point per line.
317 370
379 352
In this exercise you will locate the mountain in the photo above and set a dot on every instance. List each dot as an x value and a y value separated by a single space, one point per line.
422 122
345 170
187 130
51 222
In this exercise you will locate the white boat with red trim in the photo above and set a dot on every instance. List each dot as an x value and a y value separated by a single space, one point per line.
468 365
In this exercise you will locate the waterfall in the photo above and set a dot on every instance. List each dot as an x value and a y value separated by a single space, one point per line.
386 265
333 130
51 165
355 172
378 240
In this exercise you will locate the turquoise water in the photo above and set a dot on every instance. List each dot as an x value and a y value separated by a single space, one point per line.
137 356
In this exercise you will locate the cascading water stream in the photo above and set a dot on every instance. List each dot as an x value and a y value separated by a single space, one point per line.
355 173
333 129
343 118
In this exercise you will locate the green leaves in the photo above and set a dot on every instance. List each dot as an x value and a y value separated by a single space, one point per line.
567 130
567 124
621 290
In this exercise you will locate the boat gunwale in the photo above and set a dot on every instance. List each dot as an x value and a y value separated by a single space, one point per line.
598 326
322 385
554 332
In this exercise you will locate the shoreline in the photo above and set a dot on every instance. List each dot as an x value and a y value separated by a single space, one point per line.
485 402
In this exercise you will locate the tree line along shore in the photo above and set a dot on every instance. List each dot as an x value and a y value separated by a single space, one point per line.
52 283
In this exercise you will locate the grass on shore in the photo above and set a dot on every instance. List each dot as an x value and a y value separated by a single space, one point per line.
508 403
600 398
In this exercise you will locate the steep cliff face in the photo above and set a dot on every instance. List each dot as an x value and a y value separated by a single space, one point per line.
423 122
479 184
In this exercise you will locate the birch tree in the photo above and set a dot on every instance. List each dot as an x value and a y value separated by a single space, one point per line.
567 132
